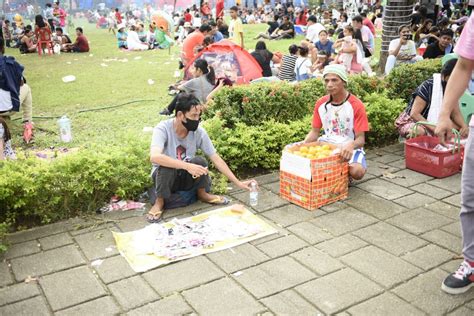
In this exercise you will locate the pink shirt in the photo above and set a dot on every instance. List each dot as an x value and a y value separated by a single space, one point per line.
465 45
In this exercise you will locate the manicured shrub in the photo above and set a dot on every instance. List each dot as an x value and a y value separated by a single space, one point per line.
404 79
258 146
363 85
253 104
382 113
46 191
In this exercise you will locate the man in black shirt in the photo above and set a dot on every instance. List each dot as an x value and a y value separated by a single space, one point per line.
273 26
286 30
442 47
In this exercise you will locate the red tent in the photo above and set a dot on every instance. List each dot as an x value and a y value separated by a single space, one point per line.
229 60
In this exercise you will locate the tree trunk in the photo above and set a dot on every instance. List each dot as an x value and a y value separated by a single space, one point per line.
396 14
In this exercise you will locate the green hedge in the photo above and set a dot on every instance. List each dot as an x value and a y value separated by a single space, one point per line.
382 113
256 103
249 126
257 146
35 190
404 79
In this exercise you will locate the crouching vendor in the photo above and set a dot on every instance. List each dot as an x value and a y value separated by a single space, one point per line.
342 117
425 106
180 177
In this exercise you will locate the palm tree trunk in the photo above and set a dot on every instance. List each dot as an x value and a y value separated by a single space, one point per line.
397 13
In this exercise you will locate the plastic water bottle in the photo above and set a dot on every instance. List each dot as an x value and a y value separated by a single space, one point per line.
57 49
253 194
65 131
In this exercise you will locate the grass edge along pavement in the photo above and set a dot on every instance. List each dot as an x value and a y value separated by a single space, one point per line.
79 183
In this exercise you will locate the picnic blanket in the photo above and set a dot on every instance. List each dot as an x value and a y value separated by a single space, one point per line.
178 239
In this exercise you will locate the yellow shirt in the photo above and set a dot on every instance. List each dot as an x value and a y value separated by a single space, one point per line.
235 28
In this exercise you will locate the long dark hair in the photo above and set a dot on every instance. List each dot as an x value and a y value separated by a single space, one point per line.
7 136
39 21
261 48
207 70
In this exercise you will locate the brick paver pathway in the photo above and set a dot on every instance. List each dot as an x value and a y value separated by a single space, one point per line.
383 251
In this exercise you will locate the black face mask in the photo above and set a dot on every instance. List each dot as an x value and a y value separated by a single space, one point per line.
191 125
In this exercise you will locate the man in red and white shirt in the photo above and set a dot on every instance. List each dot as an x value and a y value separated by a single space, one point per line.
343 119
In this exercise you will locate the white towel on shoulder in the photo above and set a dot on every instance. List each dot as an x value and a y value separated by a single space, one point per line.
436 99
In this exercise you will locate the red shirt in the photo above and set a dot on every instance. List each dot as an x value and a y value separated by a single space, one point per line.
369 24
219 8
188 17
118 17
82 44
301 21
194 39
340 121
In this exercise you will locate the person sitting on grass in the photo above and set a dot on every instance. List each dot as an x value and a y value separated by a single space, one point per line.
180 177
26 42
273 26
323 59
401 50
263 57
425 98
302 65
102 22
62 39
133 41
441 47
122 37
324 42
141 32
287 66
343 119
81 45
200 86
285 31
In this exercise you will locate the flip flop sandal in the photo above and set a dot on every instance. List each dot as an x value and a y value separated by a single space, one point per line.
221 200
153 218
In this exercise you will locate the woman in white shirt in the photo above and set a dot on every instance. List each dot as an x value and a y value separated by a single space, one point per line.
133 41
401 50
303 64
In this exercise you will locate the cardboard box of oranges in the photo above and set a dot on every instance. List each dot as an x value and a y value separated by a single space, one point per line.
313 175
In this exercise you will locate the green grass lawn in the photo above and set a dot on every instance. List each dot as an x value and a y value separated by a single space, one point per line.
98 85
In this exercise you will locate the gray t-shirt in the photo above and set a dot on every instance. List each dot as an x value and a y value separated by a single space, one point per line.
199 87
164 136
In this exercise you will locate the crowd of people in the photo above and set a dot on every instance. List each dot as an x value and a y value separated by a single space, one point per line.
47 32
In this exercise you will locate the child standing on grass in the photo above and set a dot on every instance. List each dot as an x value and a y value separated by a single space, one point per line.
236 30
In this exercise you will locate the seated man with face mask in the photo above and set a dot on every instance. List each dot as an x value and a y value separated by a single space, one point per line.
180 177
425 105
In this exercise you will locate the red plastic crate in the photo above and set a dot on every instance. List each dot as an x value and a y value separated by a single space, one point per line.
420 156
